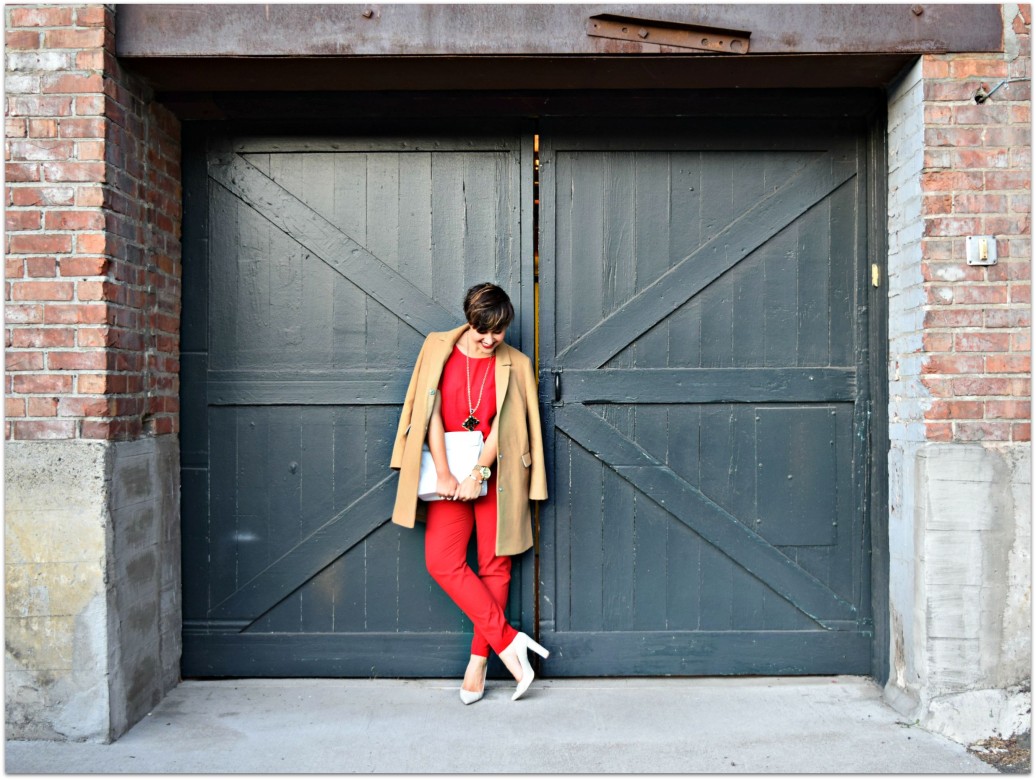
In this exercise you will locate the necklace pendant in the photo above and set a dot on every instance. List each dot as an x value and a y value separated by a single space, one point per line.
471 423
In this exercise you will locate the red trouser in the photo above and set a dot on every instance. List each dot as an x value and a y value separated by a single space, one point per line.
481 596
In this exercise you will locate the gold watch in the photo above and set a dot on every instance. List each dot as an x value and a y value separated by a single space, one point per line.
483 471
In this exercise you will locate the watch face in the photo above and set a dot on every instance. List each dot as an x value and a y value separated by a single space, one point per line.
484 471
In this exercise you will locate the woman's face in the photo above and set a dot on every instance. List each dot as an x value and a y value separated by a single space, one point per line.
484 344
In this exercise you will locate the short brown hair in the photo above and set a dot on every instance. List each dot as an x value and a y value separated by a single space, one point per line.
487 308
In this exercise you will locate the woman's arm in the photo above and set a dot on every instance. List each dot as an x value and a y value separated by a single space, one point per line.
446 483
470 486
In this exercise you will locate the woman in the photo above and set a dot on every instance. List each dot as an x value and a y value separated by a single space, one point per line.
467 378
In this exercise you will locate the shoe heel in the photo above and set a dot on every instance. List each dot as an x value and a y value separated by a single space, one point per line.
522 644
537 648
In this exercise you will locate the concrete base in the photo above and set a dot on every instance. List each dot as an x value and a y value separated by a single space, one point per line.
92 568
707 725
960 609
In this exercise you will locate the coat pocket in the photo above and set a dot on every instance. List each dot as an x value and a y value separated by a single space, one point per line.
526 459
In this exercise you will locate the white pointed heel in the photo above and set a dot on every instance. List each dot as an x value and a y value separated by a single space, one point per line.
522 643
470 697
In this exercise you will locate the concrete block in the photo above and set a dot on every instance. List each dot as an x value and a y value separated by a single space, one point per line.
51 589
954 611
40 643
134 480
953 558
54 535
135 528
966 487
92 541
975 715
55 495
951 664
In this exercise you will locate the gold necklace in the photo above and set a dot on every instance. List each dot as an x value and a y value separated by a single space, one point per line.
472 422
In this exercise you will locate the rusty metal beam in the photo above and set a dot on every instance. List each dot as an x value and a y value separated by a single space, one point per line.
680 36
388 30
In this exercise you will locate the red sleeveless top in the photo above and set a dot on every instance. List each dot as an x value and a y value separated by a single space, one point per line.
453 384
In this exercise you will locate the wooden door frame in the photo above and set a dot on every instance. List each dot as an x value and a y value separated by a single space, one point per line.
262 112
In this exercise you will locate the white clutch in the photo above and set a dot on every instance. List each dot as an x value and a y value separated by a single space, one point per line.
462 451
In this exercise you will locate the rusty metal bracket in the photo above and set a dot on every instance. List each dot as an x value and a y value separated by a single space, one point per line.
677 34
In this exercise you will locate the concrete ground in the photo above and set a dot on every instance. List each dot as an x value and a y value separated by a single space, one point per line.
709 725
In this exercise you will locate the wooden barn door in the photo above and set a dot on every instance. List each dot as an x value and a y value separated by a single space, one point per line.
704 377
315 266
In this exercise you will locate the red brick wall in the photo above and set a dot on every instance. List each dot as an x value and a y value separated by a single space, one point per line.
93 235
976 181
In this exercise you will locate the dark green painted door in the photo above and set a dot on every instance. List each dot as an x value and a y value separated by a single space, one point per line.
314 267
703 373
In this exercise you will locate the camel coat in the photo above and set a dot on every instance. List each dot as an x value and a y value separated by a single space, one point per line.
520 472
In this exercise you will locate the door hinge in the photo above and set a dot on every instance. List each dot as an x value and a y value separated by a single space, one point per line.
875 275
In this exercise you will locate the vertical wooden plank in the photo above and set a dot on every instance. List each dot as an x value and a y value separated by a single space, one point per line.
420 606
783 269
684 237
586 543
716 588
250 532
317 346
381 579
717 210
619 259
849 581
583 291
349 302
780 298
814 325
348 479
194 535
480 197
619 552
717 578
252 296
843 249
747 327
743 502
283 482
286 303
221 549
652 225
682 581
347 575
717 205
224 248
316 507
654 566
717 323
382 326
448 230
415 237
684 546
555 539
746 611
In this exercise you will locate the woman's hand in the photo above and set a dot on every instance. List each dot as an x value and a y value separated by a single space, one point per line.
446 485
469 489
